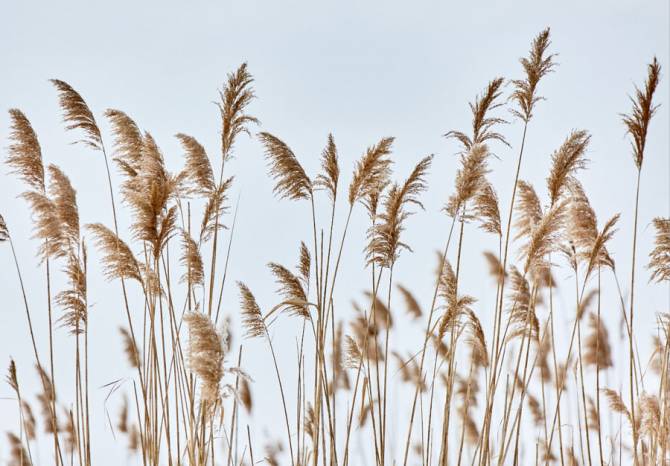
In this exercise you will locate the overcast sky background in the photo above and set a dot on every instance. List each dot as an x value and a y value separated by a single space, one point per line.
361 70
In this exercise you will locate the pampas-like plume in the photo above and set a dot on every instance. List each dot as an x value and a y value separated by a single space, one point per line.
593 415
565 162
482 123
29 423
77 115
118 260
45 399
616 403
536 66
535 409
599 255
128 141
155 221
235 96
340 376
148 194
130 348
486 210
206 354
543 352
191 261
598 352
290 177
291 290
476 340
47 225
4 231
122 423
73 299
353 353
409 371
528 210
366 334
304 264
25 153
70 431
495 266
651 421
64 199
543 240
198 170
252 319
385 245
25 159
371 172
470 178
12 379
456 306
521 315
245 394
18 453
637 122
331 170
215 209
659 262
382 313
582 230
134 439
413 306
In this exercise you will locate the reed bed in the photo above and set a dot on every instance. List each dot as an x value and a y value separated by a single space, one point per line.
485 386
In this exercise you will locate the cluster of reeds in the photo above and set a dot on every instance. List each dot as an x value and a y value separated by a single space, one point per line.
472 392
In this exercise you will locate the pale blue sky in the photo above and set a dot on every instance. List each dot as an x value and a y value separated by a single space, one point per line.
361 70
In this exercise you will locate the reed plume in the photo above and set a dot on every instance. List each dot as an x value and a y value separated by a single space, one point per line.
291 180
118 260
304 264
331 171
4 231
291 290
371 173
18 453
495 266
470 178
191 261
543 240
637 121
130 348
528 210
521 312
64 199
536 66
77 115
483 124
128 141
565 162
385 244
206 355
411 303
73 300
29 422
659 257
234 99
616 403
598 351
487 211
245 395
198 170
215 208
252 319
25 153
